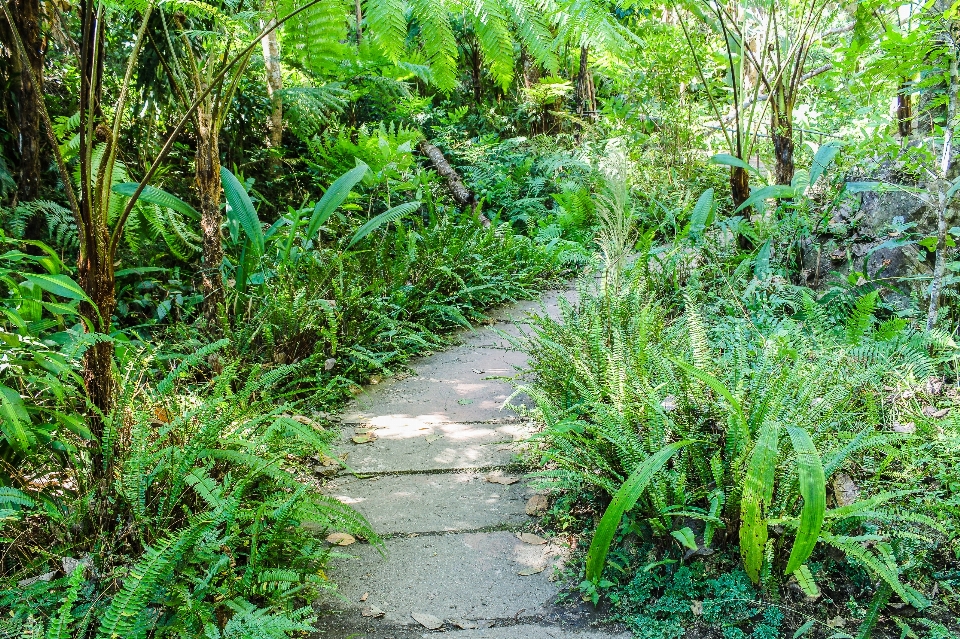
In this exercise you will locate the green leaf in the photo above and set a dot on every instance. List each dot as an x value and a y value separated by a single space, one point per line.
686 538
60 309
13 419
954 187
702 214
60 626
75 424
716 385
806 581
384 218
10 495
761 266
778 191
153 195
241 208
861 187
804 629
823 158
59 285
756 498
334 197
731 160
813 489
624 500
142 581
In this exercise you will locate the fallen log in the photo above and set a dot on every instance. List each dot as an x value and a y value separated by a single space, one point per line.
461 194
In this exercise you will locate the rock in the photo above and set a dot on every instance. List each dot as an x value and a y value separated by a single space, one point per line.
845 491
906 428
669 403
931 411
537 505
934 386
70 564
47 576
325 471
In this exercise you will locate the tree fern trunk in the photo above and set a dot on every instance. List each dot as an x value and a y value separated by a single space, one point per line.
461 194
739 185
27 18
781 132
475 71
96 277
207 168
580 92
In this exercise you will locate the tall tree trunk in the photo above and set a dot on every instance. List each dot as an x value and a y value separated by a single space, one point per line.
531 70
739 185
591 101
95 266
781 132
581 89
740 191
26 14
904 110
207 170
475 68
359 14
96 277
271 60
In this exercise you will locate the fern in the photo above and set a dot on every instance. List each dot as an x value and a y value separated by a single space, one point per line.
60 627
386 217
877 565
122 616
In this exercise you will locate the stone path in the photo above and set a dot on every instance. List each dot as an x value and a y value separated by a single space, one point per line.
452 548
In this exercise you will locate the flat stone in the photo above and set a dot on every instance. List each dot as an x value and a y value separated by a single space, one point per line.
407 444
467 576
461 384
531 631
548 305
432 503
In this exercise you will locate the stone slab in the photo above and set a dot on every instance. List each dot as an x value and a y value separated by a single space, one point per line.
365 628
461 384
433 503
469 576
547 305
532 631
405 444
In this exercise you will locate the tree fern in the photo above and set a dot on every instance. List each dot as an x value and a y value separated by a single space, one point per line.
533 27
491 26
438 41
387 21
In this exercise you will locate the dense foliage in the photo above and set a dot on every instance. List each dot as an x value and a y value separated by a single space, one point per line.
220 218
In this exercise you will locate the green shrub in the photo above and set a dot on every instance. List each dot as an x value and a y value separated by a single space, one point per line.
206 528
618 380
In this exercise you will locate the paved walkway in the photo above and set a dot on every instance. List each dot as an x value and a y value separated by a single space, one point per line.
439 485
